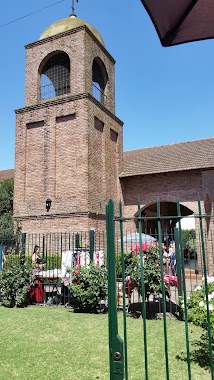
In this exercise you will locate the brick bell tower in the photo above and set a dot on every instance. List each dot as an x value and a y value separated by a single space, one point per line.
68 139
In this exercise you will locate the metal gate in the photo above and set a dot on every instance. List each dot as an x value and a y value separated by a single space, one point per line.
118 352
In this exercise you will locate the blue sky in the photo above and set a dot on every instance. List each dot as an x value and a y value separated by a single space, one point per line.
163 95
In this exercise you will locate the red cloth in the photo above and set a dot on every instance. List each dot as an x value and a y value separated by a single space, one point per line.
37 292
129 286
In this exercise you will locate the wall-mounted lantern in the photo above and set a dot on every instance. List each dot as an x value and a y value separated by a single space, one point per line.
48 204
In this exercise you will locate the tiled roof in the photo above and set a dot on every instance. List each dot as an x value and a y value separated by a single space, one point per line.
7 174
198 154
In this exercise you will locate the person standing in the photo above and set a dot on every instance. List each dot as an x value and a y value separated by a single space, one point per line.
37 262
37 293
173 263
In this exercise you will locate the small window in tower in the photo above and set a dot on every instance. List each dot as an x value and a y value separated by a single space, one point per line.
35 124
98 124
55 76
99 80
113 135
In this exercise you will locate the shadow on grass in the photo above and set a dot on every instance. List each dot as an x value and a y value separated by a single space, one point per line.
201 353
154 310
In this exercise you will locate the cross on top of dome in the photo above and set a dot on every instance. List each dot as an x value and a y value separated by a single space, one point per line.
72 7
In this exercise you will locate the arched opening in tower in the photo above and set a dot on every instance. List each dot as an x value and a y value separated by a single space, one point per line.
99 80
55 76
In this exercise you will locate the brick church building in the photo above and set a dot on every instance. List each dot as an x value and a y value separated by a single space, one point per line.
69 156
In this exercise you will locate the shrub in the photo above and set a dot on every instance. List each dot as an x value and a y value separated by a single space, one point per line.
152 273
15 284
88 287
52 261
127 260
189 240
196 305
197 314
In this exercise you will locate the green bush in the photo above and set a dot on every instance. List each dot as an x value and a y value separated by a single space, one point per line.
189 240
197 314
152 273
11 260
197 307
127 260
15 285
88 287
52 261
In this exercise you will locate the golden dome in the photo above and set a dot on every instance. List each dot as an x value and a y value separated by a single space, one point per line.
66 24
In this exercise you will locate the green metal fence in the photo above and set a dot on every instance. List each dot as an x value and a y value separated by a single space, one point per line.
192 270
58 251
195 266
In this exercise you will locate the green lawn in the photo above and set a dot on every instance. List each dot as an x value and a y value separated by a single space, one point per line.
56 344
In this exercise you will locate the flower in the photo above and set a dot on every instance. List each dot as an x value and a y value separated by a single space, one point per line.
197 288
201 303
210 296
210 307
209 279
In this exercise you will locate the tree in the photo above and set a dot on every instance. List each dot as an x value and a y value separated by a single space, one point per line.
152 273
6 209
189 240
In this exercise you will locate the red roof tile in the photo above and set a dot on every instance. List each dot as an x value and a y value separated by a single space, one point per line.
198 154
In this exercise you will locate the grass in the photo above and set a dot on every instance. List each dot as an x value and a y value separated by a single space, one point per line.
55 343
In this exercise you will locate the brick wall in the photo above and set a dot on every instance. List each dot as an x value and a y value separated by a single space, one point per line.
60 153
82 48
167 187
64 223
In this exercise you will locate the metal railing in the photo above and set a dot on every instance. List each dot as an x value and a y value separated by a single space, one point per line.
58 252
99 94
48 91
123 296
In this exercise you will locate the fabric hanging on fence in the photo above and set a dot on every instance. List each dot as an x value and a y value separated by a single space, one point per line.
84 258
99 258
68 261
37 293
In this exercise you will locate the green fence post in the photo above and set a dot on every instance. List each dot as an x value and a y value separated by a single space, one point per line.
184 292
143 293
91 244
43 247
162 288
178 261
210 340
1 258
22 259
77 241
124 295
116 359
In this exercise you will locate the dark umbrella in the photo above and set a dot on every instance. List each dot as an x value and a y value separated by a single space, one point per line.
180 21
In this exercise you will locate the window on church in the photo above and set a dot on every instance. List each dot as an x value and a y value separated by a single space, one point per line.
55 76
98 124
99 80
